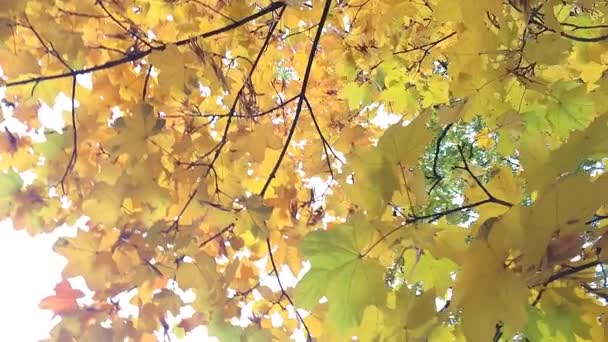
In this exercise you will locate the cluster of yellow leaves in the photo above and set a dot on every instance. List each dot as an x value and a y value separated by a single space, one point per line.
221 146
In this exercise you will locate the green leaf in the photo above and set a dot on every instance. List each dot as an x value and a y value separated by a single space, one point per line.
571 109
223 330
356 95
10 184
350 282
400 99
54 145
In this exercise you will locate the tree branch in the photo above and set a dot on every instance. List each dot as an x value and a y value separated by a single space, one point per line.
570 271
585 39
74 155
141 54
283 291
425 47
216 235
324 142
436 176
491 198
146 80
301 98
126 29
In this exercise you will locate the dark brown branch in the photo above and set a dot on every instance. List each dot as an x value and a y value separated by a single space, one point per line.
249 290
596 218
498 332
584 27
425 47
224 140
175 224
49 48
300 32
382 238
217 149
584 39
302 96
324 142
563 274
438 215
283 291
131 32
146 80
539 295
570 271
141 54
544 27
593 291
197 112
437 178
435 216
216 235
491 198
74 155
152 266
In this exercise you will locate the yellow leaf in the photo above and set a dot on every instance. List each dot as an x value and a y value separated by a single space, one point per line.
493 283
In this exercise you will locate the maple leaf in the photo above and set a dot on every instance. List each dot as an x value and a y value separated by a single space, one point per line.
336 261
64 300
134 131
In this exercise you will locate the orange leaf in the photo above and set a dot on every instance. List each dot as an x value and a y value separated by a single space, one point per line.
64 300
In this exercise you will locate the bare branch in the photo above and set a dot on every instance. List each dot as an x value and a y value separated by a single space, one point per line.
146 80
216 235
491 198
74 155
141 54
283 291
585 39
437 178
311 57
131 32
325 143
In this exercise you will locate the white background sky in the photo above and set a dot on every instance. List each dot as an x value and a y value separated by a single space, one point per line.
30 271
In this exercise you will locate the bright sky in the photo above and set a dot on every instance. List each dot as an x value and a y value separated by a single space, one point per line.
30 270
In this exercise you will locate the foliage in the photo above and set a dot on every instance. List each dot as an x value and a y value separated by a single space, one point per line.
222 147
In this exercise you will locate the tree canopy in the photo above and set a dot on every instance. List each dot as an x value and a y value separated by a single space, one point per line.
429 170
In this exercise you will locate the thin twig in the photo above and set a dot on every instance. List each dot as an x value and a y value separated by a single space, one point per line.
146 80
425 47
216 235
74 155
596 218
283 291
133 33
141 54
307 72
436 176
325 144
476 179
217 149
570 271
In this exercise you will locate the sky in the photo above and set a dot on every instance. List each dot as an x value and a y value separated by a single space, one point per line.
33 270
30 270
